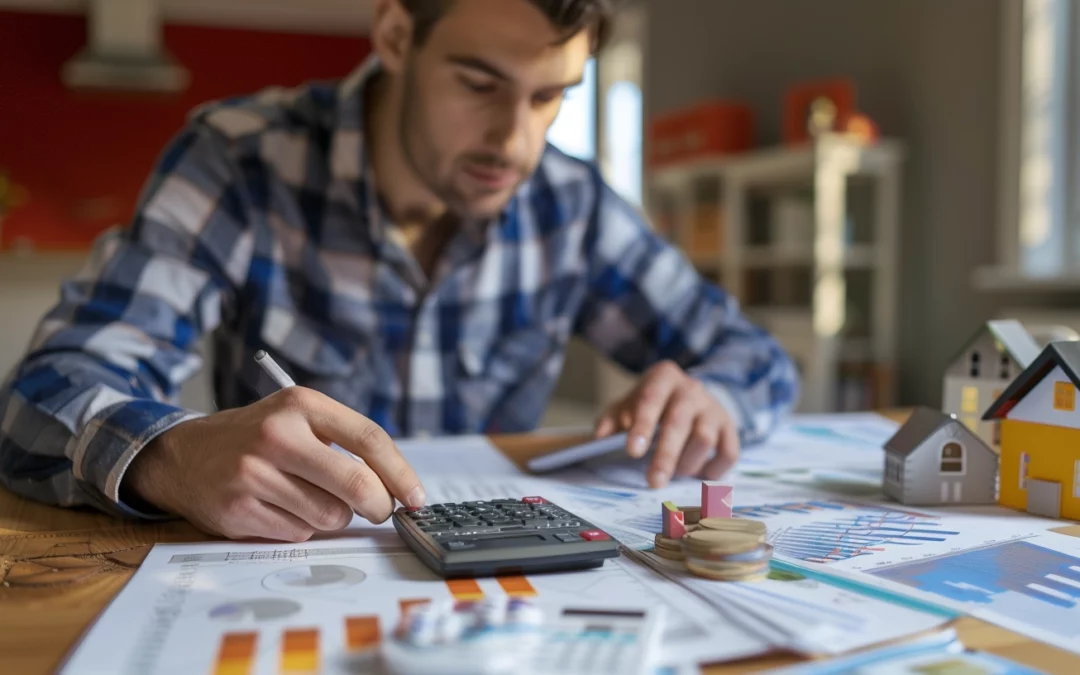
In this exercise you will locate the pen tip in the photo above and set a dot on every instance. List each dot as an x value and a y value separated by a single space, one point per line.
260 355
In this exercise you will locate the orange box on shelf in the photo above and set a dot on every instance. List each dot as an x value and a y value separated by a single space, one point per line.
710 128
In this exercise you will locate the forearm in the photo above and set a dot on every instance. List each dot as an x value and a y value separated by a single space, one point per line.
648 304
69 427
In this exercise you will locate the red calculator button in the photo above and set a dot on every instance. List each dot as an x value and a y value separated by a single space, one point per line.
594 535
534 500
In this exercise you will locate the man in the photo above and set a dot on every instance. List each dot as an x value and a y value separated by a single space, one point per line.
406 245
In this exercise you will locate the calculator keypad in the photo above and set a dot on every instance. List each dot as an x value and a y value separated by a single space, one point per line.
493 517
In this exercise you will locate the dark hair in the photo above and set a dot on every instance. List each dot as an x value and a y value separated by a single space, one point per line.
569 16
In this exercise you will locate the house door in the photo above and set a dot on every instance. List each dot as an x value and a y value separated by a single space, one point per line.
957 491
1044 498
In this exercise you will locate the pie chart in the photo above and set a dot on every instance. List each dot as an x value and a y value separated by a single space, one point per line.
258 609
313 578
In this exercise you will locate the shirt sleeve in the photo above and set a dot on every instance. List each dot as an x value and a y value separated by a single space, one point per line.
647 303
101 377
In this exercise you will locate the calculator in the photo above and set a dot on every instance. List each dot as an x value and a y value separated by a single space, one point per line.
502 536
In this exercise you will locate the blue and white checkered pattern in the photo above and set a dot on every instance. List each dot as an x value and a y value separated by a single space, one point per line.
261 226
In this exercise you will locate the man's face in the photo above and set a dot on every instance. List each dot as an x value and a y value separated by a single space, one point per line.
479 96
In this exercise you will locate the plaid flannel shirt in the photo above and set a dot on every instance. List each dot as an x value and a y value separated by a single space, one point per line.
261 227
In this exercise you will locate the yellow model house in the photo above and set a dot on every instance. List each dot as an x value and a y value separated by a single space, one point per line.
1040 435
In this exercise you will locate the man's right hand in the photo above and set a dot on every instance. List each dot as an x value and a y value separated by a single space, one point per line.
267 470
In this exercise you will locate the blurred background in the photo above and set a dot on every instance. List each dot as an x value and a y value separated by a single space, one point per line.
872 180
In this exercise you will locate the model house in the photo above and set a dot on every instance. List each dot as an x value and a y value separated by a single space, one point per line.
1040 435
935 459
982 370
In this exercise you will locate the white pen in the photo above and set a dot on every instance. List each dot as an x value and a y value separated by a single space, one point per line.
282 379
273 370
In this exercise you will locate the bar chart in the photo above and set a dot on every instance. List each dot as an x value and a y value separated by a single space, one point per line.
299 648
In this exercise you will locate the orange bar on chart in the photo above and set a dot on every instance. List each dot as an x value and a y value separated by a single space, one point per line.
406 603
517 586
361 632
236 654
300 651
465 589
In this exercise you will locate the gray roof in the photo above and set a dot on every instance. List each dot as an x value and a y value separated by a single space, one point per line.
920 426
923 424
1014 339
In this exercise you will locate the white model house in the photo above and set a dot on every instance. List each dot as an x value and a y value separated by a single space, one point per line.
982 370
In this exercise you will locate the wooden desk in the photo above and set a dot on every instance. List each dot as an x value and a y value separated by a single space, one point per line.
60 568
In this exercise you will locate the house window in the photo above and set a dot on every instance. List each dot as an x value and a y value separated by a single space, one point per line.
1005 361
892 469
1076 479
969 399
1024 458
975 363
1064 396
952 458
997 434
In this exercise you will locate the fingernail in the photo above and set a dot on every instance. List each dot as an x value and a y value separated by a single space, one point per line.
416 498
638 446
658 479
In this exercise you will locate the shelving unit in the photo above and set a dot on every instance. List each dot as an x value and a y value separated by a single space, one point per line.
806 238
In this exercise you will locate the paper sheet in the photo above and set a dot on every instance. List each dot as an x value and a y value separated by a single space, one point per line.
939 652
456 456
804 614
828 452
174 614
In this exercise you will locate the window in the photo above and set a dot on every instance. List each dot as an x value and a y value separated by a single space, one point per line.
952 458
975 363
620 76
622 138
893 467
969 400
1040 202
1064 396
1023 470
1006 362
574 128
996 440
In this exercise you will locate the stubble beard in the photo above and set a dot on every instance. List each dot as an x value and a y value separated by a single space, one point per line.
423 158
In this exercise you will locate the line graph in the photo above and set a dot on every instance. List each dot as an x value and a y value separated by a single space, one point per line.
843 530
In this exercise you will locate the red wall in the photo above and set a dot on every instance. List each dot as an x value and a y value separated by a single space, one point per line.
82 157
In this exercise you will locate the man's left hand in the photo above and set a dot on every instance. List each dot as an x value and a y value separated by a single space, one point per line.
697 435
